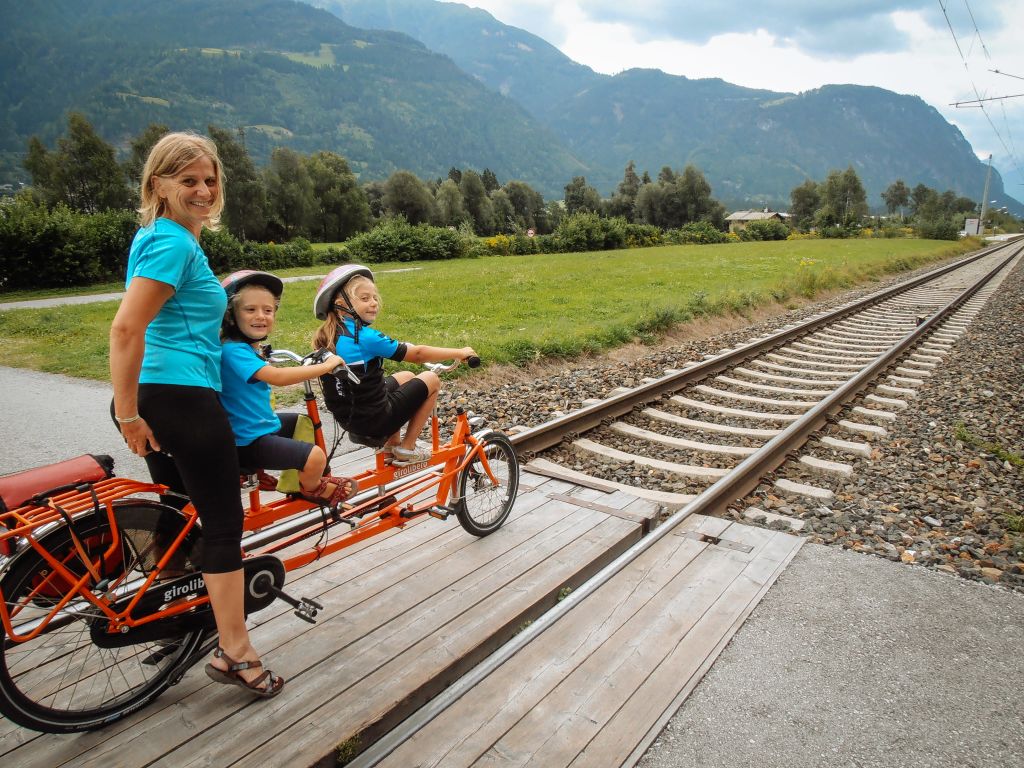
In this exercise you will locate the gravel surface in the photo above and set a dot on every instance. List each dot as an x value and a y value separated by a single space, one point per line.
920 474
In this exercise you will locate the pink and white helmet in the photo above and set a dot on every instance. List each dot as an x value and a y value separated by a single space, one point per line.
333 282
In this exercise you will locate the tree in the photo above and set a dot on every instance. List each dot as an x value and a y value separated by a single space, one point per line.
678 199
478 204
919 198
504 213
624 199
341 206
140 147
246 207
896 197
450 210
580 196
804 202
290 195
489 180
405 195
455 174
843 199
374 192
83 172
527 204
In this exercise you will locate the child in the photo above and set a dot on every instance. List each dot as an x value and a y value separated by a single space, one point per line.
263 438
376 408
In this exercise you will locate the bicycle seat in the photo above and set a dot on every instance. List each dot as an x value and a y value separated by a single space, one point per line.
263 480
369 442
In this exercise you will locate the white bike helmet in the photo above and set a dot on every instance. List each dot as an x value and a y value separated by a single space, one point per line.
332 284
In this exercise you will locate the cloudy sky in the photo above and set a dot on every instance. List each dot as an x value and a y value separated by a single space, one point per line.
940 50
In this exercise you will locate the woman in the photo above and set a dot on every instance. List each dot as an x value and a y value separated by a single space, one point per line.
165 357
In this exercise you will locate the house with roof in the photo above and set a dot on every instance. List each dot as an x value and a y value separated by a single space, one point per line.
740 219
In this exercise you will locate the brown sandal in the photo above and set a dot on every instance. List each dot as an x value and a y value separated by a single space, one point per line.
344 488
231 676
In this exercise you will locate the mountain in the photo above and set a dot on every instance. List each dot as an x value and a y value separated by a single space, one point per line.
507 59
285 72
753 145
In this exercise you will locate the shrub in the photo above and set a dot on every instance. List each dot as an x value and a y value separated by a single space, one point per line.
395 239
697 232
41 248
768 229
938 229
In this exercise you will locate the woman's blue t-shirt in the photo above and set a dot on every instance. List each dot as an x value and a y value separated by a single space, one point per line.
246 400
183 340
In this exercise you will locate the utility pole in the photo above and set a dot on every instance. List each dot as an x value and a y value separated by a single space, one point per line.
984 198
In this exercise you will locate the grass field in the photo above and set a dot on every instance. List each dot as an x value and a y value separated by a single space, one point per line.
522 308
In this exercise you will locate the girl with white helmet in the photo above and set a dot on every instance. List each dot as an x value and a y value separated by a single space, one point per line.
374 410
263 437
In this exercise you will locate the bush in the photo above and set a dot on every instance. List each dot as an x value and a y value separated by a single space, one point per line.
586 231
697 232
396 240
40 248
938 229
767 229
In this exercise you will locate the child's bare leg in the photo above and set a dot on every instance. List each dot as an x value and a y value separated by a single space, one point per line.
401 377
309 475
419 419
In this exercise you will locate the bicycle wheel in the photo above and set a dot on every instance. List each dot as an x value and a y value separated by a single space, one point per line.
60 681
484 506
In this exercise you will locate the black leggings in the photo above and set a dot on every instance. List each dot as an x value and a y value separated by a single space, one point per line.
191 425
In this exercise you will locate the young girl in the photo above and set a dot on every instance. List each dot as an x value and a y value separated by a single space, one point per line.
376 408
263 438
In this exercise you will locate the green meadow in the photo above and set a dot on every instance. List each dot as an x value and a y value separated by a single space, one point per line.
517 309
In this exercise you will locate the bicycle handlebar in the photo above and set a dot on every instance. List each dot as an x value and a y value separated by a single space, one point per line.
472 362
286 355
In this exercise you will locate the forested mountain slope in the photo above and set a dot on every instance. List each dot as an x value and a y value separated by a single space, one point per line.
285 72
753 145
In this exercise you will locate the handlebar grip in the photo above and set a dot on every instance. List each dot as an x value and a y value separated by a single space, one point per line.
473 362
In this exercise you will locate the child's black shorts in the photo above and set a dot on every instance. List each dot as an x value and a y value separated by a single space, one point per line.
276 451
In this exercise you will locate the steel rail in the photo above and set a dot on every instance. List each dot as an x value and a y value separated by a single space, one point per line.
745 475
550 433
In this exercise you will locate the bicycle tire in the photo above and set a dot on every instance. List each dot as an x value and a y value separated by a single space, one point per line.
60 681
483 507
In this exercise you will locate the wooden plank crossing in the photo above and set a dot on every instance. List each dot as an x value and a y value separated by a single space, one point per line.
404 615
599 685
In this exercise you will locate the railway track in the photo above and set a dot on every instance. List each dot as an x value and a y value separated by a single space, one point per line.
818 393
698 439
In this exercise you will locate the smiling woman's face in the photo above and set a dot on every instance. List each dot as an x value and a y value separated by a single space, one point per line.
190 194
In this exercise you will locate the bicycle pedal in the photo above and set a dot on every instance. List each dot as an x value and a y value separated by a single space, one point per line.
441 512
308 610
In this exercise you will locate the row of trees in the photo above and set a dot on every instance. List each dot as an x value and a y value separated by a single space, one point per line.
838 206
319 197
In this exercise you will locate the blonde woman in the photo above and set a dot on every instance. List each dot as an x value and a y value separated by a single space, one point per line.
165 361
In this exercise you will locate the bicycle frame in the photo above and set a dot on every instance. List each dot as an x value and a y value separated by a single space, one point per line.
401 495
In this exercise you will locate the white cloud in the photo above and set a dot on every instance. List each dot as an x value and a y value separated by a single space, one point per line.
795 45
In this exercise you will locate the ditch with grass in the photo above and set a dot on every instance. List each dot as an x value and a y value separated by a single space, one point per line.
517 309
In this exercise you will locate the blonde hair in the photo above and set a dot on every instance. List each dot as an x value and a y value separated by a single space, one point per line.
326 335
167 158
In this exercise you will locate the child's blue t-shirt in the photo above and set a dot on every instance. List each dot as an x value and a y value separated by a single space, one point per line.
183 340
245 398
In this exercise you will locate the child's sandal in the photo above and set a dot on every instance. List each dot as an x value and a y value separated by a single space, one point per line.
344 488
266 686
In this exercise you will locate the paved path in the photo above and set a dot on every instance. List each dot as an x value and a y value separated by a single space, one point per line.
57 301
849 661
